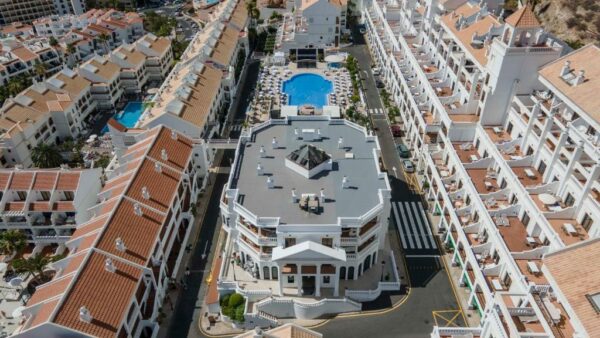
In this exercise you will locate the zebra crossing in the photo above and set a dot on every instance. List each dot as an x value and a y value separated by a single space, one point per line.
236 127
376 111
413 226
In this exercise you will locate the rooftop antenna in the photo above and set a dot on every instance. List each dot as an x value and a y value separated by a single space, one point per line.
109 265
120 244
145 193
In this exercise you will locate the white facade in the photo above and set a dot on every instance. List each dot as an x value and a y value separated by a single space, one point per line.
509 157
335 238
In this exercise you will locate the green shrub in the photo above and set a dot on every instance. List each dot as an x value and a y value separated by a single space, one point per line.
235 300
239 313
224 300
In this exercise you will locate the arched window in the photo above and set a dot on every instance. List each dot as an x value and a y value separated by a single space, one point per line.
343 272
274 273
266 272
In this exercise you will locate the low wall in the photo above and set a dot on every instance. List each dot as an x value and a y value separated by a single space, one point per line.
291 308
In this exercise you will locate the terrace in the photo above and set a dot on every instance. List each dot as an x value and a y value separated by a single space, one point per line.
466 154
516 237
528 176
569 231
482 182
532 271
498 135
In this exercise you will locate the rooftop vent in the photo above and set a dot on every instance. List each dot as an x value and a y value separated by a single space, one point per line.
109 265
85 315
566 69
345 182
120 245
340 143
137 209
270 182
294 196
580 78
263 153
259 169
145 193
274 143
163 155
173 134
157 167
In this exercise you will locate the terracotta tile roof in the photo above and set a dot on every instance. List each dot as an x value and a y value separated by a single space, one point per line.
93 286
223 50
44 181
576 278
123 178
523 18
14 206
160 185
40 206
75 262
197 108
178 150
240 15
139 239
89 227
584 95
24 54
106 70
4 178
117 125
68 181
44 313
63 206
21 180
50 290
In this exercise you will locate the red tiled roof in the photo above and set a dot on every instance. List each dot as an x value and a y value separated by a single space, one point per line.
68 181
523 18
21 180
45 180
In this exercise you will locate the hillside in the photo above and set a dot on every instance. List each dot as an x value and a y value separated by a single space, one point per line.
575 21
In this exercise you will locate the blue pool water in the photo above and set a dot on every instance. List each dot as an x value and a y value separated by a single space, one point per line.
307 88
130 115
211 2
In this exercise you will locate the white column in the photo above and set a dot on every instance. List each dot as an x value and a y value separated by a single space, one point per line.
574 159
318 281
336 279
547 126
280 280
299 279
535 111
595 173
561 143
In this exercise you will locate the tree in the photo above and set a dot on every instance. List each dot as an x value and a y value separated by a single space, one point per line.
35 265
104 40
12 241
46 156
17 85
40 70
53 42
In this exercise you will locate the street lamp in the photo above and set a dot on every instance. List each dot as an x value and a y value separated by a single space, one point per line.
233 267
382 269
395 172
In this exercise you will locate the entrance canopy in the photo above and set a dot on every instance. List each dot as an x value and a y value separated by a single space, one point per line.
309 251
335 58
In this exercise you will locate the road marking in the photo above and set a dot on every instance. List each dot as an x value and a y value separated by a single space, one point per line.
398 225
412 224
427 225
405 227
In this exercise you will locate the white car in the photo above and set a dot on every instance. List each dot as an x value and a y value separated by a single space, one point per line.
408 166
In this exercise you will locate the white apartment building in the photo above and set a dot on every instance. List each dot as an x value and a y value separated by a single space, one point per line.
116 275
105 77
506 134
195 96
47 204
306 203
20 57
313 24
29 10
46 112
133 68
158 53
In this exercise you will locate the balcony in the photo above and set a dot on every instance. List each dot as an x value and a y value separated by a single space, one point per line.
528 176
569 231
484 182
498 135
515 236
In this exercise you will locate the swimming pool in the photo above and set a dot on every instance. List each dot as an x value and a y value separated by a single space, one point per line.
129 116
307 88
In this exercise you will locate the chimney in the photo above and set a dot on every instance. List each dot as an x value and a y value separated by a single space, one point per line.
120 244
85 315
340 143
174 134
163 155
580 78
145 193
294 196
274 143
345 182
322 195
259 169
157 167
270 182
109 265
296 133
137 209
263 153
566 69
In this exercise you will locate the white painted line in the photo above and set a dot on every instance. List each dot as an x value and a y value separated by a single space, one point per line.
405 227
421 232
422 256
398 225
426 220
412 224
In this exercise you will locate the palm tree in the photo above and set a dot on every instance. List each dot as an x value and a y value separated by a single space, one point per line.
69 53
35 265
12 241
15 86
40 70
46 156
53 42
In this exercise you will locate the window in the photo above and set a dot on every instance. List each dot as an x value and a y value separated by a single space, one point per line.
525 219
326 280
327 242
529 151
509 127
595 301
290 242
587 222
542 167
569 200
290 279
45 195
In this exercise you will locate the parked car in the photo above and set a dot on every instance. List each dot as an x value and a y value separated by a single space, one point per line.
408 166
379 84
396 130
403 150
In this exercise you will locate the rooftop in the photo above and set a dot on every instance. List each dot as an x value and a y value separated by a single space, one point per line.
357 160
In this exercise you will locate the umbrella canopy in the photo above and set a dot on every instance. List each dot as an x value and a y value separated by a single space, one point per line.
547 199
